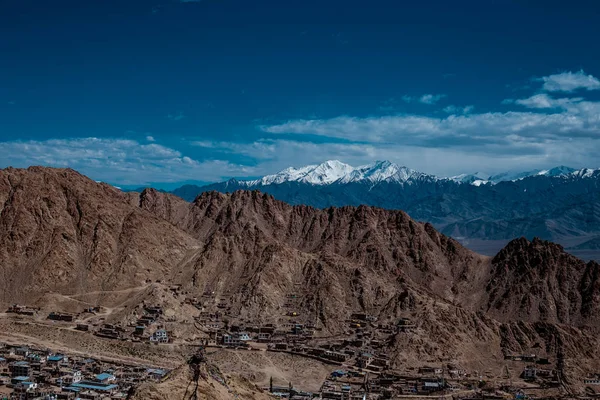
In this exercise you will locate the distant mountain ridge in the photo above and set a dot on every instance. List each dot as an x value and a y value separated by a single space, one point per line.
337 172
555 204
334 171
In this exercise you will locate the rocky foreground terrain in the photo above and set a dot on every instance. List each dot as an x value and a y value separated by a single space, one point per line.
62 234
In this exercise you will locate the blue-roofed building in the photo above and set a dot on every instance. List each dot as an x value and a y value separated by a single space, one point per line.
19 379
20 368
2 360
157 374
57 358
338 373
105 378
100 387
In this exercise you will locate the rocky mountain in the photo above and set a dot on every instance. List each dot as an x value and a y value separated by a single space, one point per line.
62 234
556 204
538 280
60 231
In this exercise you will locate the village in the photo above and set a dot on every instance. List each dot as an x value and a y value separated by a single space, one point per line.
33 373
359 359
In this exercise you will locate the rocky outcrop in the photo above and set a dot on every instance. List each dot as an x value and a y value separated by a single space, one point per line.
60 231
538 281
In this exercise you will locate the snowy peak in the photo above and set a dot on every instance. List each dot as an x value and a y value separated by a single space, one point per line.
478 178
560 171
557 171
379 171
334 171
585 173
327 172
321 174
512 176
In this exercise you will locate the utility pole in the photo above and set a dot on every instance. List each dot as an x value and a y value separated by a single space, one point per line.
443 384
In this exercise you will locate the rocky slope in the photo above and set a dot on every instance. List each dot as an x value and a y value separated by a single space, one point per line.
538 281
349 256
211 385
61 232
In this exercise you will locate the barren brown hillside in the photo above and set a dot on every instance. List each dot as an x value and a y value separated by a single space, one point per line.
64 234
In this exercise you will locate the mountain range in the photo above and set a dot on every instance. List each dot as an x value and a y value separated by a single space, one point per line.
64 235
560 204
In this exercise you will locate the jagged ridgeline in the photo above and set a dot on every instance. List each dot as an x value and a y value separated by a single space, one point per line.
560 204
64 233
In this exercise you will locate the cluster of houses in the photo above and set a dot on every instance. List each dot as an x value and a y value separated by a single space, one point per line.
429 382
533 372
348 384
148 326
140 331
28 373
22 310
357 384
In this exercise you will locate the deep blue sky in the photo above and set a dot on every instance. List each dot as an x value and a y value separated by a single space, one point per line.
155 91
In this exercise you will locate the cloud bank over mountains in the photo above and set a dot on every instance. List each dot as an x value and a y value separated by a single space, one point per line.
559 123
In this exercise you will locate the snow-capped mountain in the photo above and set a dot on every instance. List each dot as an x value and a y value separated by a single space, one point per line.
476 179
321 174
553 203
334 171
558 171
516 175
337 172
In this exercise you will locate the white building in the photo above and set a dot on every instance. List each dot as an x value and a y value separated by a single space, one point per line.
25 387
71 376
160 336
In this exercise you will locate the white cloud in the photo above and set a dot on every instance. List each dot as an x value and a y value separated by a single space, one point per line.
570 81
549 131
580 119
458 110
431 98
273 155
425 99
544 101
117 160
460 143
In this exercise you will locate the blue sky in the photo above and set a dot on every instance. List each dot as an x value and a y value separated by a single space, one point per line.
169 91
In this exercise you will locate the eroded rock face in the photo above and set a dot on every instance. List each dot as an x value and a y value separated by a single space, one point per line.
539 281
61 232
